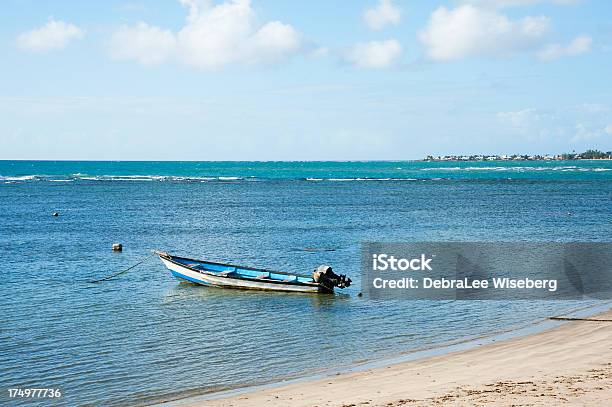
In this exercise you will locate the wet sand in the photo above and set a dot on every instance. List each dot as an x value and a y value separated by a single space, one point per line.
567 365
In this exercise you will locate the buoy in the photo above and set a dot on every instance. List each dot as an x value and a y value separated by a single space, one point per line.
117 247
55 213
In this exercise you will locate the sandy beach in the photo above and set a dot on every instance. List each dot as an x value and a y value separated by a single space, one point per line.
567 365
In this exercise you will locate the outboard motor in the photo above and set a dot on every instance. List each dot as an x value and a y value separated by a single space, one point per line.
325 275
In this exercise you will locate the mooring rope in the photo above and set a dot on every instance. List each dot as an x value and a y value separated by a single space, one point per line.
124 271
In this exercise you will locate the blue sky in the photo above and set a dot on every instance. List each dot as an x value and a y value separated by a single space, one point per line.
278 80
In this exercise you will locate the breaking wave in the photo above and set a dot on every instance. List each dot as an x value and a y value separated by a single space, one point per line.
140 178
20 178
362 174
360 179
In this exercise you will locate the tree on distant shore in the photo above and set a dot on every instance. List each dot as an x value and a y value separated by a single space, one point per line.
568 156
595 155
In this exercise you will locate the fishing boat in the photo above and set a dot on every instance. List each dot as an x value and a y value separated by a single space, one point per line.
322 280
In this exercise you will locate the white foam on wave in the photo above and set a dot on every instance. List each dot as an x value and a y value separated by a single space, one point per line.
155 178
360 179
117 178
19 178
442 169
135 178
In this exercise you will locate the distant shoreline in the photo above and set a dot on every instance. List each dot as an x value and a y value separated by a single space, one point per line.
514 159
587 155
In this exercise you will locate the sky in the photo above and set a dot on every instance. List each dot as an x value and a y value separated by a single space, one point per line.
316 80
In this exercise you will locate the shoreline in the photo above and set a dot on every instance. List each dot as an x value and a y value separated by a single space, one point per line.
435 160
312 389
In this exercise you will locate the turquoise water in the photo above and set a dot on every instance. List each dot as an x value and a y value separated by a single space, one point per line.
144 337
311 171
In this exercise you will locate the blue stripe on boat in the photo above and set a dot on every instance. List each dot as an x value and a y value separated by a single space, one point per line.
184 277
225 270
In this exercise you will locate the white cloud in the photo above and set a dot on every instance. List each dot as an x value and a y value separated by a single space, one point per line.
593 109
385 13
52 36
320 52
577 46
584 132
374 54
213 36
528 121
146 44
469 31
586 123
499 3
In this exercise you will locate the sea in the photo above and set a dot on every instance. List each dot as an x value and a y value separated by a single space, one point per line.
143 337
